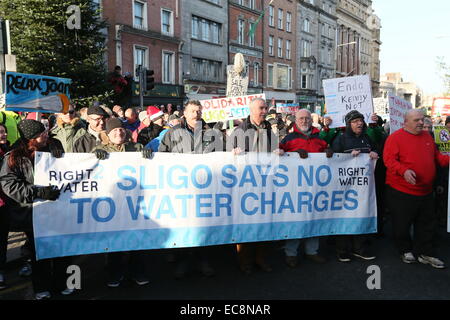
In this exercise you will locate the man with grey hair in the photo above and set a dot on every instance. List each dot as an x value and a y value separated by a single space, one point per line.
411 155
254 134
303 140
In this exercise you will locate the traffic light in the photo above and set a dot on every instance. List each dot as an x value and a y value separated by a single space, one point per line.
149 80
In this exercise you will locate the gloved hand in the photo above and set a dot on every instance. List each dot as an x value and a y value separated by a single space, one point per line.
48 193
147 153
329 152
55 151
101 154
303 153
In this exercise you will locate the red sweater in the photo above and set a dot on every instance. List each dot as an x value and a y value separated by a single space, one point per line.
419 153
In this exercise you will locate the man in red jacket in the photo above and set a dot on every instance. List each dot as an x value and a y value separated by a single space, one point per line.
410 156
303 140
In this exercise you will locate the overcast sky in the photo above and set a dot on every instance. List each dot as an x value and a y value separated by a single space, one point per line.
414 33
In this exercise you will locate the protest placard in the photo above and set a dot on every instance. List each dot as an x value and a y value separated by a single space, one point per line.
289 108
230 108
188 200
36 93
442 138
343 95
397 110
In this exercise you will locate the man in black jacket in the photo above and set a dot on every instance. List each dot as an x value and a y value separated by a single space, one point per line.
94 136
355 141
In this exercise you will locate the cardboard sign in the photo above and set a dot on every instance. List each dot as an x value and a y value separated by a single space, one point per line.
442 138
343 95
36 93
231 108
397 110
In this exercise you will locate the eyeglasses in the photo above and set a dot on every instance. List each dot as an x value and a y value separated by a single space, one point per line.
357 121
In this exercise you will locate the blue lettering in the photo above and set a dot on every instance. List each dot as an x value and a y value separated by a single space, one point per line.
265 202
281 176
208 177
309 178
200 205
184 199
328 177
142 175
335 200
112 209
165 207
352 200
251 177
286 203
140 204
264 175
183 179
123 176
226 204
230 176
307 202
80 207
324 202
244 208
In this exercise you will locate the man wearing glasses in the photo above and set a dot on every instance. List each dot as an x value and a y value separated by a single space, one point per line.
94 136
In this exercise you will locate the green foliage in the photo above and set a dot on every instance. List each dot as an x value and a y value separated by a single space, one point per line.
44 45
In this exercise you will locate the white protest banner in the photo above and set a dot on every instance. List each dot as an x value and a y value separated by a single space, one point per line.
289 108
187 200
397 110
343 95
224 109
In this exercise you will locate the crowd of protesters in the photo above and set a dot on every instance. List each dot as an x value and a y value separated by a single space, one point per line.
410 176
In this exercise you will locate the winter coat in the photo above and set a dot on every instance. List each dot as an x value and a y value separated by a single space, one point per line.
125 147
87 142
180 139
348 141
68 133
245 127
297 140
149 133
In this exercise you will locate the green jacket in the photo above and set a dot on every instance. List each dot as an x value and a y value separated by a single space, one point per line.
68 133
126 147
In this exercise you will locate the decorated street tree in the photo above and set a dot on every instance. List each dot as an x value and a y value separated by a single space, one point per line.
49 39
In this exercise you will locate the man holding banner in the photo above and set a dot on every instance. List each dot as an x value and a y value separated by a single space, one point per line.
258 137
410 155
304 139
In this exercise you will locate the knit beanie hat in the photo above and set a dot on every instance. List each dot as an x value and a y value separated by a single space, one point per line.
112 124
154 113
30 129
352 115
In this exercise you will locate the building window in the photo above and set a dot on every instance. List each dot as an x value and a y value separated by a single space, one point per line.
139 14
306 25
280 48
271 16
306 48
304 82
271 52
280 19
206 30
251 38
283 77
241 31
166 22
270 75
288 22
256 73
140 59
288 49
206 70
168 68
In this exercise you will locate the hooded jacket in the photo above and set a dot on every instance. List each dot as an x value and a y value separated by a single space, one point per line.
348 141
